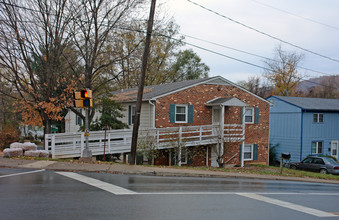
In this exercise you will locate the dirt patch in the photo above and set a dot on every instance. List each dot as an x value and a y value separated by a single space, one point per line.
1 153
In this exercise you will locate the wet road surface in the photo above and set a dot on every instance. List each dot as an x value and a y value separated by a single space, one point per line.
39 194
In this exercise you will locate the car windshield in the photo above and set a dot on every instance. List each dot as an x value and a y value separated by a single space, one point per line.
330 161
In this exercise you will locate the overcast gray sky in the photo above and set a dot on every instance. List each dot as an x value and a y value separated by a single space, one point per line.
310 24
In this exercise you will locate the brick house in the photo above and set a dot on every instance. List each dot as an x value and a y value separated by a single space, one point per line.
214 102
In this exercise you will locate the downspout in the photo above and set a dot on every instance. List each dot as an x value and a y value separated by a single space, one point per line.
153 116
301 134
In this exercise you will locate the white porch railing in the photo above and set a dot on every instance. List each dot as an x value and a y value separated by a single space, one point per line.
68 145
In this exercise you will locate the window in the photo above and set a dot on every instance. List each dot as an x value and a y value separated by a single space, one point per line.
131 114
78 120
248 152
249 115
181 113
308 160
318 161
318 118
317 147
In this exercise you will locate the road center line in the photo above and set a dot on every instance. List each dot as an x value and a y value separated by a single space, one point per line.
17 174
117 190
288 205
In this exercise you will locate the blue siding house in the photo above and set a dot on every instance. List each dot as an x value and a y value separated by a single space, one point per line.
304 126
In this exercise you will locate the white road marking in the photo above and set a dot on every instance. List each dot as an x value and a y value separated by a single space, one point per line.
288 205
117 190
17 174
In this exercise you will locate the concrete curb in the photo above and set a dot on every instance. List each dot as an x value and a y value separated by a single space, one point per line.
143 170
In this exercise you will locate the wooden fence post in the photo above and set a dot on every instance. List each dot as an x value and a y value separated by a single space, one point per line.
53 146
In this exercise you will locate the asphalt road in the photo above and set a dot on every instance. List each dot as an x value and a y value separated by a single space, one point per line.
39 194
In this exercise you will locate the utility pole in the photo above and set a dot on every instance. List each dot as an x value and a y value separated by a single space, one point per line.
141 85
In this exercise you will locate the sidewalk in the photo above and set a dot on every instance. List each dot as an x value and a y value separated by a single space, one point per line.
141 170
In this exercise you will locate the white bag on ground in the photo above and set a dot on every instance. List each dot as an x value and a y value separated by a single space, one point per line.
28 146
32 153
15 152
16 145
44 153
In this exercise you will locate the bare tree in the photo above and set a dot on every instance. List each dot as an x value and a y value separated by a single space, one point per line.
129 48
327 88
93 30
282 72
231 139
256 85
6 104
32 46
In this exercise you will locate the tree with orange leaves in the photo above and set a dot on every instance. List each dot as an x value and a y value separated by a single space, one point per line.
282 72
35 58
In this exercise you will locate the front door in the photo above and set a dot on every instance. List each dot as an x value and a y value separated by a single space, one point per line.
334 149
216 120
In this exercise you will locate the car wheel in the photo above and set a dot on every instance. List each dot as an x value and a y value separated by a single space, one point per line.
323 171
293 167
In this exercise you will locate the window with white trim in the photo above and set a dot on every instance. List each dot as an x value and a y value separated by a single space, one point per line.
248 152
181 112
249 115
317 147
318 118
131 114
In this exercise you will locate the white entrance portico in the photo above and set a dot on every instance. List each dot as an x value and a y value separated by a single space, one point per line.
218 118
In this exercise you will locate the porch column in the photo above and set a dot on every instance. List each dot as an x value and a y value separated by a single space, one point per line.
179 153
222 122
207 147
243 136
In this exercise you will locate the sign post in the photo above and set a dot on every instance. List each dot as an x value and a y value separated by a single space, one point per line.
83 99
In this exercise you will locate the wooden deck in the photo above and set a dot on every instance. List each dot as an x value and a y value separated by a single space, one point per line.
69 145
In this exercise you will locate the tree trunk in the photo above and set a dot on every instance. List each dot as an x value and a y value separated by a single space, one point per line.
47 124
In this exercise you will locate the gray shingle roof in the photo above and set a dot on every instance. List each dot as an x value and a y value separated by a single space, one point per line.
151 92
228 101
319 104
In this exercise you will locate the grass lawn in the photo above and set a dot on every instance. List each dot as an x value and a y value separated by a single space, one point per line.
251 169
269 170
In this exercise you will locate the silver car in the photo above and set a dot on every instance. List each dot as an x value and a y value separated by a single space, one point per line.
317 164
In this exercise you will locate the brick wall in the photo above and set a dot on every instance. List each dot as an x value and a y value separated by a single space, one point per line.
196 157
162 158
202 115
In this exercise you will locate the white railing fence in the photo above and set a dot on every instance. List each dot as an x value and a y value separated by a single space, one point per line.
68 145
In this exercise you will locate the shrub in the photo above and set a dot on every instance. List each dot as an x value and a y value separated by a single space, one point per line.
8 135
273 161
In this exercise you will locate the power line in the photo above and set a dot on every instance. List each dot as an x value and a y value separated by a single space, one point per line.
245 52
202 48
251 64
18 6
252 54
295 15
239 60
263 33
